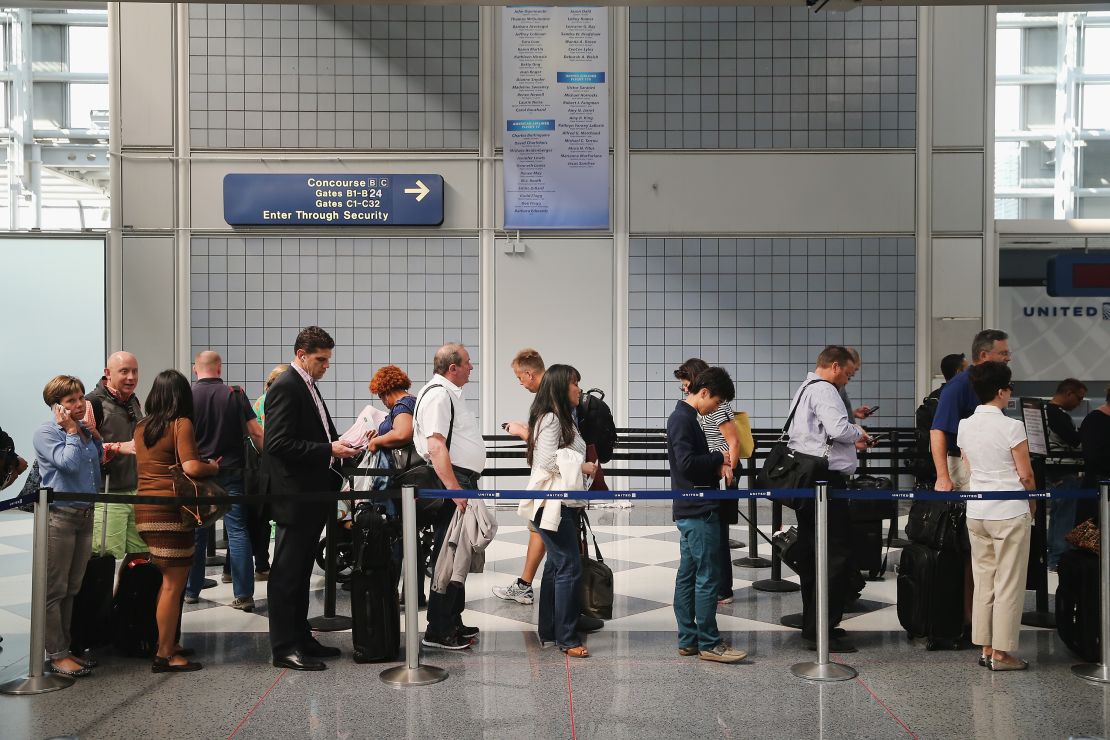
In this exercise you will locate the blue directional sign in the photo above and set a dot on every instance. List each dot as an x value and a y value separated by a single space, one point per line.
333 200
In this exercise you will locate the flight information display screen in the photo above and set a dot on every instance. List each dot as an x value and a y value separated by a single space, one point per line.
1080 274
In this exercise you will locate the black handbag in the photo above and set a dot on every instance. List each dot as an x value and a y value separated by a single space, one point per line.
596 586
797 554
787 468
871 510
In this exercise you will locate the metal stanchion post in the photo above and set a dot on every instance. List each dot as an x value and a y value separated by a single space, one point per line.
329 621
1100 672
412 673
752 560
776 583
211 558
823 669
37 681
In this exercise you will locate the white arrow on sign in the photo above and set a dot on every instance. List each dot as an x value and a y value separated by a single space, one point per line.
421 190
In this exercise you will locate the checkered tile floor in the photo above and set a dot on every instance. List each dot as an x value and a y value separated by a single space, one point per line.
644 559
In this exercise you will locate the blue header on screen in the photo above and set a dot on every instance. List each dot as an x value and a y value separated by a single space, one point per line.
546 124
580 78
332 199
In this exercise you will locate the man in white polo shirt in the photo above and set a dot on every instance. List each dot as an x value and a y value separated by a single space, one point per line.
446 434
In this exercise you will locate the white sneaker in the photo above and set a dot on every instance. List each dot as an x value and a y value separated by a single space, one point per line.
517 591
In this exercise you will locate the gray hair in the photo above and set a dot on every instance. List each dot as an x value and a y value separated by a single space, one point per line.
446 356
984 342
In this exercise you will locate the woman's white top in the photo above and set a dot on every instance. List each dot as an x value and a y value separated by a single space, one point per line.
554 468
987 439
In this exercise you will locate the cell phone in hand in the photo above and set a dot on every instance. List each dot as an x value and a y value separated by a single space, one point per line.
505 425
872 409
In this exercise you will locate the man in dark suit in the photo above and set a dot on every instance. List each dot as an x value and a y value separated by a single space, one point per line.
301 456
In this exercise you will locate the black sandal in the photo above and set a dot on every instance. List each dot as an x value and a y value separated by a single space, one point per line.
163 665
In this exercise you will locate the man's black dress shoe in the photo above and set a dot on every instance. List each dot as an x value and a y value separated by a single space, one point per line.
298 662
314 649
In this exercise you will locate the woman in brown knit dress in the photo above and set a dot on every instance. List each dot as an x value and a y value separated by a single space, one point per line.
163 439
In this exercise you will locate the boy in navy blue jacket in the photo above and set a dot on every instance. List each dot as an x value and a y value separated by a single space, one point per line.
694 466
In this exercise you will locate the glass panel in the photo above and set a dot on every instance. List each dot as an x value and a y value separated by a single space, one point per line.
1040 106
1008 51
1007 163
1040 51
1038 164
1007 208
1094 157
1007 108
71 267
49 105
47 52
88 106
1096 49
1036 208
1096 106
1094 207
88 49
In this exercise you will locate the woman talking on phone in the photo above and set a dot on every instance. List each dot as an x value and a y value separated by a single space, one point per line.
68 456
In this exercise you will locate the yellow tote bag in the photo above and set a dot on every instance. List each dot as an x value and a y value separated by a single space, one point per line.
744 430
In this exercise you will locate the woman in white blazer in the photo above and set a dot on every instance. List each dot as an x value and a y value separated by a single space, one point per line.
557 454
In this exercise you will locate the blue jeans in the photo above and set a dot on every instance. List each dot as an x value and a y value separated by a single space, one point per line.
695 586
562 576
239 552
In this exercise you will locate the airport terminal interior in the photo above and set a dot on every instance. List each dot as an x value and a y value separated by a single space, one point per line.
619 189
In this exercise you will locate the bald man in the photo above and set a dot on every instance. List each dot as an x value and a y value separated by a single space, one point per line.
222 417
117 411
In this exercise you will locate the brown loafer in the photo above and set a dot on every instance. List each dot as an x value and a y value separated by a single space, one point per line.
578 651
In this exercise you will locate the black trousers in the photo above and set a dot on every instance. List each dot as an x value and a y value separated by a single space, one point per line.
444 610
287 591
840 557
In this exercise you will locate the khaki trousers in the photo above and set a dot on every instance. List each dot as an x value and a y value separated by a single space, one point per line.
999 558
960 473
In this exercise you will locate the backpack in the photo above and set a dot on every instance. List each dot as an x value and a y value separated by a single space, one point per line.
923 422
595 421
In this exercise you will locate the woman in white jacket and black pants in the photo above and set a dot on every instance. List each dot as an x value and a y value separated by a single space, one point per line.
556 454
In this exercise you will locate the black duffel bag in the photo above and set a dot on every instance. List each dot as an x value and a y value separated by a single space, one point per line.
939 525
871 510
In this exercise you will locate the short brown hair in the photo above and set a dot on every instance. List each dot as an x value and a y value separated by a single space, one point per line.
1071 385
528 359
61 386
313 338
834 354
389 378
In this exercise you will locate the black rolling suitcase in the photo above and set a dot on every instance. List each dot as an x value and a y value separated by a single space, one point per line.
375 612
1077 603
931 596
133 620
91 625
867 548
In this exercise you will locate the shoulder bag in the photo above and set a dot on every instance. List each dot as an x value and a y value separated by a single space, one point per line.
787 468
596 585
197 513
